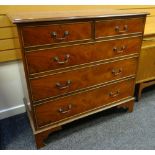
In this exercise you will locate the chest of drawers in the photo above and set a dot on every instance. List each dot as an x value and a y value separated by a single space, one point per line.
77 64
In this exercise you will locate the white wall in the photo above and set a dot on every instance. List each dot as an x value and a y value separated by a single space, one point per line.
11 92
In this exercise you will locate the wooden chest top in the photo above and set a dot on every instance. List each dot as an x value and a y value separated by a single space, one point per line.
76 14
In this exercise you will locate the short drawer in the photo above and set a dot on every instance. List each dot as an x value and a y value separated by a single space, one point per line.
118 27
58 58
56 33
68 107
73 80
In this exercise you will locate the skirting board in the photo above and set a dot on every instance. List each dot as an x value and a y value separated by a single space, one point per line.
12 111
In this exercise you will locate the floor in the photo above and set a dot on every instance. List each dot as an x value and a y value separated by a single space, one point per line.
109 130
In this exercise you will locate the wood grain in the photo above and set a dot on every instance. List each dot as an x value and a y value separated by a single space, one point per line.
10 55
148 42
28 8
32 16
43 60
50 112
8 44
8 32
5 21
108 28
146 70
150 24
103 76
45 87
40 35
150 10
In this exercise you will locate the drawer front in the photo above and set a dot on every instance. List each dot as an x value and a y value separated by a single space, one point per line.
50 59
64 108
58 33
148 42
62 83
146 69
119 27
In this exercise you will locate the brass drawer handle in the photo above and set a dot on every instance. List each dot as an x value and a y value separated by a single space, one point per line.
114 94
54 36
119 50
125 29
116 72
60 86
66 59
63 111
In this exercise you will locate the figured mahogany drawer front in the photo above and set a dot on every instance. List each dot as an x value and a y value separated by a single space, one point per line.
66 107
62 83
56 33
50 59
119 27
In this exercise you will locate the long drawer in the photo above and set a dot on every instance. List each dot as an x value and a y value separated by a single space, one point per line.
118 27
55 33
67 107
69 81
57 58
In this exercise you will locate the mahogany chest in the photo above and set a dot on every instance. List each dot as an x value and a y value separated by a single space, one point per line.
77 64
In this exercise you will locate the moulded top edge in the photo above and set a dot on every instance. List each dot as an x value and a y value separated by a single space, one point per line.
26 17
